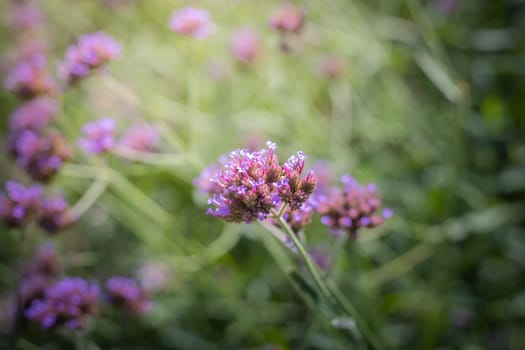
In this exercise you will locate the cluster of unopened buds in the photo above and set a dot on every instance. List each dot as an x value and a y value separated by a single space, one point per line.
355 206
99 137
20 204
53 302
252 184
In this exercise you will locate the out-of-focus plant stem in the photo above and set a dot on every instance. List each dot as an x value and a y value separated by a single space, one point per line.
89 197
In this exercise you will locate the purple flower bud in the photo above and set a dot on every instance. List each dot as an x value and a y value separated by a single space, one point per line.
30 78
91 52
98 136
127 293
246 46
65 303
351 208
142 138
190 21
34 115
287 19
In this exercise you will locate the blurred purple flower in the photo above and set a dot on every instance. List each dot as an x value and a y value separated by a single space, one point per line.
191 21
204 181
287 19
253 183
91 52
67 303
30 78
143 137
25 15
126 292
19 202
331 67
351 208
40 155
34 115
98 136
246 46
55 215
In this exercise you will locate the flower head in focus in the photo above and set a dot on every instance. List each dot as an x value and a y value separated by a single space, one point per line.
30 78
253 183
126 292
353 207
98 136
19 203
191 21
67 302
246 46
91 52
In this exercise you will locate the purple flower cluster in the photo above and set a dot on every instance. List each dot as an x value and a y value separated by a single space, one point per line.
40 155
353 207
30 78
91 52
253 183
142 137
246 46
299 219
33 115
39 275
67 302
127 293
55 215
19 203
287 19
204 181
24 15
190 21
99 136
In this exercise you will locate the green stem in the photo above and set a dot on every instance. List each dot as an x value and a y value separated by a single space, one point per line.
304 254
89 198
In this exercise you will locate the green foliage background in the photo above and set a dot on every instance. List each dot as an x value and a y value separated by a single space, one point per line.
430 107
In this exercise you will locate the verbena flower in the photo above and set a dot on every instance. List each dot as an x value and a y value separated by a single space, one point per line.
99 136
127 293
204 182
25 15
246 46
40 155
67 302
287 19
34 114
191 21
55 215
352 207
331 67
253 183
91 52
30 78
141 137
19 203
